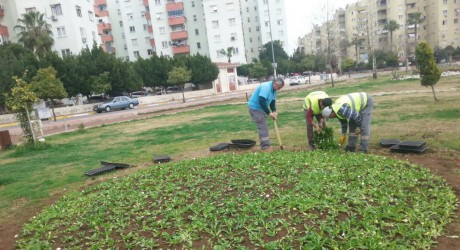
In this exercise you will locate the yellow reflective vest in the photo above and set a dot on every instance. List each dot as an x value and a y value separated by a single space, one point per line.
357 101
313 98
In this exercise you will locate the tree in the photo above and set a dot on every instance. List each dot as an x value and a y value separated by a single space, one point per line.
278 51
204 71
14 61
48 87
429 71
228 53
20 101
179 76
347 64
356 42
391 25
244 70
100 83
415 19
35 33
258 70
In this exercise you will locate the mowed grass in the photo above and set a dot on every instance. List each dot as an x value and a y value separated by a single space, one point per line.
31 177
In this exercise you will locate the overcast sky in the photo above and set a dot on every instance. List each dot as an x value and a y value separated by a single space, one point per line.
302 14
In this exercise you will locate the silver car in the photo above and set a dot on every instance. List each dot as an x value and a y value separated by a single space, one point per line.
116 103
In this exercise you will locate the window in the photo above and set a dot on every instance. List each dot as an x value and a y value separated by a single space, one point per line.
162 30
278 11
194 18
250 39
266 12
65 52
249 19
231 21
215 24
157 2
444 1
193 3
213 8
198 45
123 35
82 32
121 23
91 15
145 26
257 28
130 16
132 29
28 10
249 30
444 22
280 21
94 35
265 1
174 13
197 32
247 9
61 31
444 12
280 33
134 41
136 54
164 44
236 51
219 53
456 20
217 38
78 11
147 40
267 23
149 52
56 10
233 37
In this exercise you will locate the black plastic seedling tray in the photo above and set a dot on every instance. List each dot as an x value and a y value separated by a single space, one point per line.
412 144
117 165
243 143
220 147
101 170
161 158
386 143
397 148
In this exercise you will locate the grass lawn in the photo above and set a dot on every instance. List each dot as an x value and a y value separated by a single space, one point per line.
31 177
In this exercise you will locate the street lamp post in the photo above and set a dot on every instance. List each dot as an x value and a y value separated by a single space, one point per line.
274 65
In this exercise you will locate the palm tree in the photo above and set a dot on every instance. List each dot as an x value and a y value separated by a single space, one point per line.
415 19
391 25
356 42
35 33
228 53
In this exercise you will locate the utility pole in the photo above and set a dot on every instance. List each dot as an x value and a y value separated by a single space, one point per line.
271 41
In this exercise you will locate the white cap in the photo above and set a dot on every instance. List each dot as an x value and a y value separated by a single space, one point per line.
327 112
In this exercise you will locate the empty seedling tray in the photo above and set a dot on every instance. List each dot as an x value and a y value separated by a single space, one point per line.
412 144
243 143
386 143
117 165
161 158
397 148
220 147
101 170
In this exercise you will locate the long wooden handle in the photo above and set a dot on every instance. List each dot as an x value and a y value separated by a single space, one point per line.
278 135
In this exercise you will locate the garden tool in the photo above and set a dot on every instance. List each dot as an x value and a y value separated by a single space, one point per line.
278 135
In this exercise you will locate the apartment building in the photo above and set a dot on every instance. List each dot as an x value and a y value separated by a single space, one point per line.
366 20
73 22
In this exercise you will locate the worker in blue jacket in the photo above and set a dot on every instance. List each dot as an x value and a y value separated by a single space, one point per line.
262 105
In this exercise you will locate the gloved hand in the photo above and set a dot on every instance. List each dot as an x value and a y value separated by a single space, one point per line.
317 128
358 131
342 139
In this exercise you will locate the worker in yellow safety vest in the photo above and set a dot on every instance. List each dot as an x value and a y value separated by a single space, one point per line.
353 110
314 103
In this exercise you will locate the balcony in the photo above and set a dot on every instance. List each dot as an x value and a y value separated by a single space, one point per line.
181 50
107 39
100 13
152 42
3 31
176 20
174 6
100 2
2 12
147 16
146 3
179 35
102 27
150 29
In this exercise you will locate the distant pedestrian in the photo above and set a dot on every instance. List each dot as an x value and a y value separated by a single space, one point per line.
262 104
314 103
355 111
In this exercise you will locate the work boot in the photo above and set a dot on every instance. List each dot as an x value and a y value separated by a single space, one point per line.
350 149
269 149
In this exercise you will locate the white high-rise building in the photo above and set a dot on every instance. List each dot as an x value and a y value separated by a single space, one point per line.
73 22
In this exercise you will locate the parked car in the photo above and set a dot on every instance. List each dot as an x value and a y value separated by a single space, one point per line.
137 94
296 80
116 103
